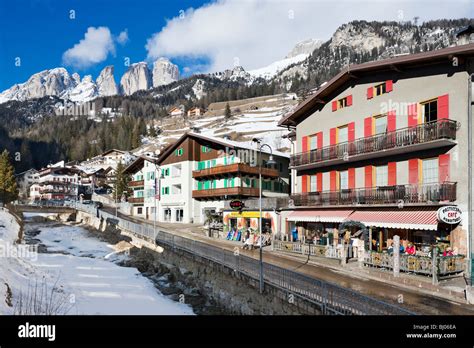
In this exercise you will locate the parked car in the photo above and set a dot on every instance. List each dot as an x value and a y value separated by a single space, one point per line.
101 191
87 201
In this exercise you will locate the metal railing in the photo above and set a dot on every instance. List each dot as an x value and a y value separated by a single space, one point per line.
236 168
416 193
445 265
423 133
229 191
330 298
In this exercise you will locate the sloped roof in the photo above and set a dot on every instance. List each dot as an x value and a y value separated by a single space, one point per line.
323 95
223 142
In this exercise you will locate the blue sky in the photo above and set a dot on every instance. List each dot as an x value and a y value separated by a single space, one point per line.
199 36
40 31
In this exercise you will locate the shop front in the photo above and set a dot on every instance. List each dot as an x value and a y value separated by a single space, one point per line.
422 232
238 223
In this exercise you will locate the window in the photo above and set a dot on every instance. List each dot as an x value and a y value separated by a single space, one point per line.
140 211
380 124
165 190
179 152
343 180
430 171
179 215
176 189
138 194
381 176
313 142
313 183
176 170
380 89
343 134
167 214
429 110
165 172
205 149
342 103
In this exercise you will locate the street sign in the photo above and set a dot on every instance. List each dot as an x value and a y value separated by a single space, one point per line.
236 204
449 214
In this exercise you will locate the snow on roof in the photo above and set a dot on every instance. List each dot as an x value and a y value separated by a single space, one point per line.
248 145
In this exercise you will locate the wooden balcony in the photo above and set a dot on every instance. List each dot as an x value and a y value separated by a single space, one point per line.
235 169
138 183
226 192
136 200
406 194
422 137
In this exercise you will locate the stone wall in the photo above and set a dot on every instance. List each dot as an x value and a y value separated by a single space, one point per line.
208 287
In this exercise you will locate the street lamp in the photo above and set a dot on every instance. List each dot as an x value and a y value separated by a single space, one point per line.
157 195
270 162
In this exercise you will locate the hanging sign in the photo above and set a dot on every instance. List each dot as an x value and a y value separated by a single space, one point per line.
449 214
236 204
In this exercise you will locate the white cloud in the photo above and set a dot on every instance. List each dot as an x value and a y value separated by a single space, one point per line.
122 38
94 48
258 32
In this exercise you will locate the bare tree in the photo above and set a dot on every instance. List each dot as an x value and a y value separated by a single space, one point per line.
40 299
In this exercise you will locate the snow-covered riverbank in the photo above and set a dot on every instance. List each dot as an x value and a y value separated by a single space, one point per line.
83 267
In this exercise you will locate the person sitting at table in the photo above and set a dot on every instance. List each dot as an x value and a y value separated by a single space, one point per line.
411 250
402 249
447 252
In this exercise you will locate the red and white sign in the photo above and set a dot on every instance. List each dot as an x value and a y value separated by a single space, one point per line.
449 214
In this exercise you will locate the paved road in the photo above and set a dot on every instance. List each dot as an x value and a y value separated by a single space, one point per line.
415 301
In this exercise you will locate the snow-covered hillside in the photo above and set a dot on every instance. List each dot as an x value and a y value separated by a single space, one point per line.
251 118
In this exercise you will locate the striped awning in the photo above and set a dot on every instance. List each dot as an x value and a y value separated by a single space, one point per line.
421 219
319 215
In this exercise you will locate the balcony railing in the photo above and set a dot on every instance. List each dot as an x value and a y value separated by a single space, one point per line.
408 194
136 200
230 191
137 183
56 190
401 138
236 168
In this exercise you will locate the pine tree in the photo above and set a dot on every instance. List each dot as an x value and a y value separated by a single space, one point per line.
121 182
228 113
8 187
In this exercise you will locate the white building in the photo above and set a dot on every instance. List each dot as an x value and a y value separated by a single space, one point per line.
200 172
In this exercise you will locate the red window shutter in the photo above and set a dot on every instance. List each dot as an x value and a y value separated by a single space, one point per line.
351 172
412 115
392 173
304 144
368 126
349 100
319 182
370 92
332 136
333 180
443 164
351 131
334 105
391 121
319 139
413 171
443 106
388 86
304 183
368 176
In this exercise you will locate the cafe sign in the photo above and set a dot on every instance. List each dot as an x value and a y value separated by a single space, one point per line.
449 214
236 204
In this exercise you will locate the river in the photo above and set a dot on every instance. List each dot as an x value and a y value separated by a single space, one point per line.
88 273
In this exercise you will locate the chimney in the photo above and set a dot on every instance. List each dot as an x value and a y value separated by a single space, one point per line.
465 36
